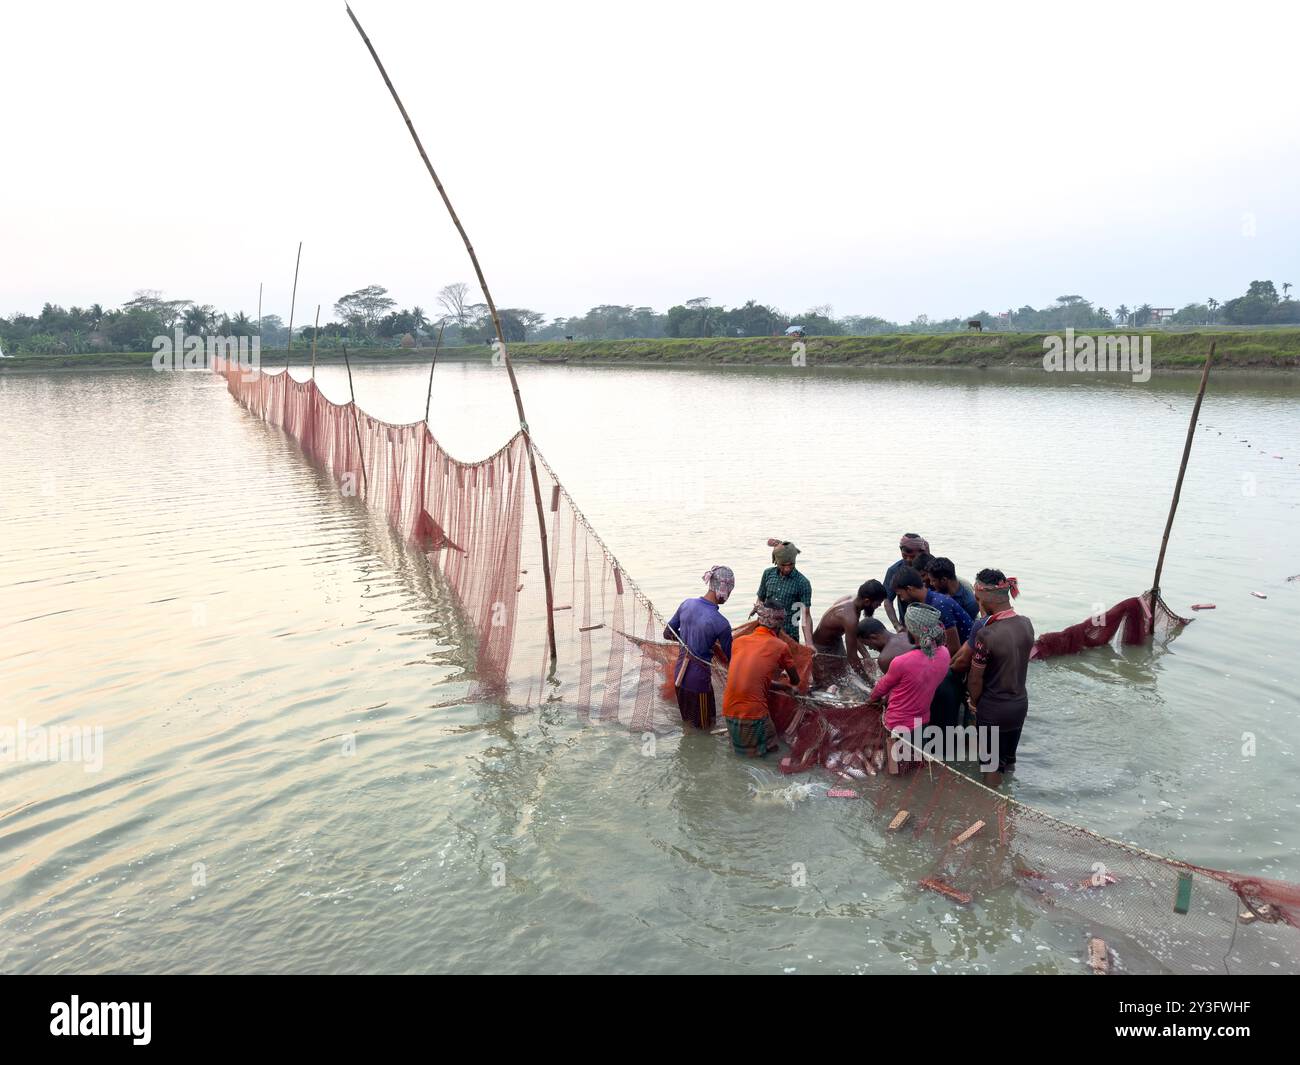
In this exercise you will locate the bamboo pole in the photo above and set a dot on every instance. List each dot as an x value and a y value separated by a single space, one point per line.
361 456
259 308
293 299
436 345
1178 485
496 322
315 330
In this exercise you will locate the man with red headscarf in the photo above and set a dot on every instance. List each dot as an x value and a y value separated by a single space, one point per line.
999 664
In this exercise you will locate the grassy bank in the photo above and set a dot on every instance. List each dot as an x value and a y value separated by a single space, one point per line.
1246 349
1272 349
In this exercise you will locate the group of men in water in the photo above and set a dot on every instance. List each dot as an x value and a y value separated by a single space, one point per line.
953 654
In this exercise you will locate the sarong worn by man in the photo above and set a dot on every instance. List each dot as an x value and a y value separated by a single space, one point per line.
756 659
699 625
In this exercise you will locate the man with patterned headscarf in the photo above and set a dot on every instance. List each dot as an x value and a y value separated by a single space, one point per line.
756 659
914 677
785 586
700 626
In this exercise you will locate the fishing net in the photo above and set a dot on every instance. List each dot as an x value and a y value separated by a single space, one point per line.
1132 621
476 523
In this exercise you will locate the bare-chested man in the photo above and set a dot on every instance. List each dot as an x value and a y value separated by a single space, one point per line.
898 643
837 634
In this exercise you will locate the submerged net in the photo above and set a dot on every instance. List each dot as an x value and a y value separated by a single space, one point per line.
1127 623
476 522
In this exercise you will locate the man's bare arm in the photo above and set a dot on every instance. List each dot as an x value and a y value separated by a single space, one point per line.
961 660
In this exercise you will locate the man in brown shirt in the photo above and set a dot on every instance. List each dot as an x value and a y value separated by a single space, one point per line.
998 696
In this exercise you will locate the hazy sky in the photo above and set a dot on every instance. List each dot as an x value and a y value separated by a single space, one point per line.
885 159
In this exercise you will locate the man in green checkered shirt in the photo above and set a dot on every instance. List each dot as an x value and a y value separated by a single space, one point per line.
785 586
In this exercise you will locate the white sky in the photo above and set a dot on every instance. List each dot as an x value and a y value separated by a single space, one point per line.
886 159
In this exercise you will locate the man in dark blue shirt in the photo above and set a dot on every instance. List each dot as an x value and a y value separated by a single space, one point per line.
910 588
941 575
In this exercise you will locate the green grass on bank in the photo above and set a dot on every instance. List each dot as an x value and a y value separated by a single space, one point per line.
1272 349
1262 349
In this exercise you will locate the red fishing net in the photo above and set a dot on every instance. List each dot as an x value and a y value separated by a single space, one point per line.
1126 623
474 521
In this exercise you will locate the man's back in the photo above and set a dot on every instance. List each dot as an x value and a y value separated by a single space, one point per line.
898 644
755 660
1004 646
950 612
700 625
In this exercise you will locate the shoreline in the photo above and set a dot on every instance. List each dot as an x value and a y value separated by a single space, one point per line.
1238 370
1266 352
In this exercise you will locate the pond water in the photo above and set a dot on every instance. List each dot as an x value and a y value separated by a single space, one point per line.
176 575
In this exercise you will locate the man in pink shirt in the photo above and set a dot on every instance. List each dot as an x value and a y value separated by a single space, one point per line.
913 678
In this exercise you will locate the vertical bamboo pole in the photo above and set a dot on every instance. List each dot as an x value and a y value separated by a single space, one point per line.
315 330
259 308
1178 485
436 345
356 425
501 339
293 299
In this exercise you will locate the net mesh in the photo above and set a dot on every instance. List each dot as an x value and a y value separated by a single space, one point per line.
475 520
1129 622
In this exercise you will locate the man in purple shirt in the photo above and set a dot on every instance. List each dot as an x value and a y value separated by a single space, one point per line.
698 625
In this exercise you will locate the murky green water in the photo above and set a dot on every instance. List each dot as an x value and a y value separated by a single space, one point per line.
174 574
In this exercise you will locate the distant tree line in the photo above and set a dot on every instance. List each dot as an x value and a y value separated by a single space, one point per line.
369 317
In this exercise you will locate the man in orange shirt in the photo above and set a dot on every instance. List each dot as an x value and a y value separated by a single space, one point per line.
756 659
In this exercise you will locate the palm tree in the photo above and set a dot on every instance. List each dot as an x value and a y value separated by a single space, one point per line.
1286 288
1121 314
195 320
1213 304
418 319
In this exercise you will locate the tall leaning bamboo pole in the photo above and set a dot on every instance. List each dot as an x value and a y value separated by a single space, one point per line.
1178 485
496 321
292 300
361 455
436 345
